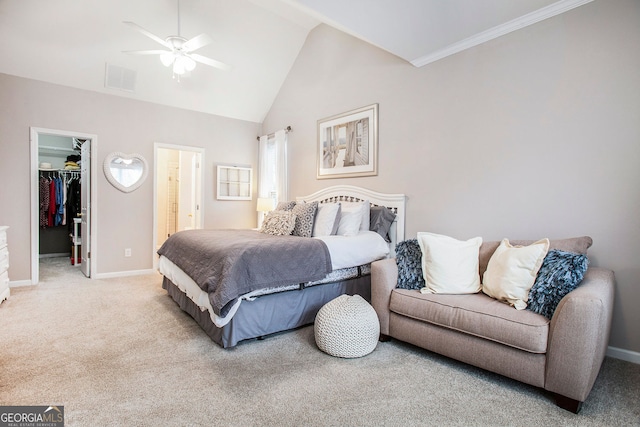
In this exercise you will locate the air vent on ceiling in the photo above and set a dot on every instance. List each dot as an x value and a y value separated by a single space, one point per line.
120 78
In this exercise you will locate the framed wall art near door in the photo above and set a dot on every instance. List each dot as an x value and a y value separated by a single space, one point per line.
348 144
234 183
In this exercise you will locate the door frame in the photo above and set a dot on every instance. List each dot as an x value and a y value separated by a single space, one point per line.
34 133
200 223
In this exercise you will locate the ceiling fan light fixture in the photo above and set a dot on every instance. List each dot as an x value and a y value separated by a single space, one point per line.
167 59
189 63
182 64
179 54
178 67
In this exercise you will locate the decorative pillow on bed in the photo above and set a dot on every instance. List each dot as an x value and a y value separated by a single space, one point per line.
350 218
285 206
336 223
305 214
327 219
450 266
279 223
512 271
381 220
561 272
409 261
365 206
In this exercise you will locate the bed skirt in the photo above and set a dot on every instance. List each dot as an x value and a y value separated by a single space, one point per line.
271 313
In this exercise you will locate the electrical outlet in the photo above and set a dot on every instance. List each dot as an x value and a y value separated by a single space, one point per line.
127 252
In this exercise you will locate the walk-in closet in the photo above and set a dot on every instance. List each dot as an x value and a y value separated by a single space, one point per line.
59 210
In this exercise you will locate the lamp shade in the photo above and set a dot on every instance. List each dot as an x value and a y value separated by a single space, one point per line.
265 204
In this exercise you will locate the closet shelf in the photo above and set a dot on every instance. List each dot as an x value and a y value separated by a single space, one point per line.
56 151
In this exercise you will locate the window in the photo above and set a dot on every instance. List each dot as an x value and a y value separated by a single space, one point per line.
273 178
234 183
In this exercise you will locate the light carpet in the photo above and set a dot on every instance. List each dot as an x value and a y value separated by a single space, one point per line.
119 352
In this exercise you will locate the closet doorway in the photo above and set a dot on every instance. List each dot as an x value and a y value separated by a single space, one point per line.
178 191
63 177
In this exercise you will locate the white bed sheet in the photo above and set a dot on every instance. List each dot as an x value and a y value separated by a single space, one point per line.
345 251
351 251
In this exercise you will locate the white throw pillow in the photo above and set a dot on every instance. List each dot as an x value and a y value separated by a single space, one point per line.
512 271
366 207
326 217
350 218
450 266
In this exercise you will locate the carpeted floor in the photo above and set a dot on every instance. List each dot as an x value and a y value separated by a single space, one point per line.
119 352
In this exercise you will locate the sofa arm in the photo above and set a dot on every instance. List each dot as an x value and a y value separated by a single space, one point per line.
384 278
579 336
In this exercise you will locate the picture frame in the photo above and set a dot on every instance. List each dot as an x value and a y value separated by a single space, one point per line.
348 144
234 183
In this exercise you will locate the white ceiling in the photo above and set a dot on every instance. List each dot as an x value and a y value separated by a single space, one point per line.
69 42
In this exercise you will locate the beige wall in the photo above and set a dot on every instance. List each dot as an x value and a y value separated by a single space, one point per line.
534 134
125 220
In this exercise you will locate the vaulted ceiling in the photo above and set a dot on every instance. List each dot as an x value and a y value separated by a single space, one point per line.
70 42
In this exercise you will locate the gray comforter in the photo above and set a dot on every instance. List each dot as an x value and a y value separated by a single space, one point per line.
230 263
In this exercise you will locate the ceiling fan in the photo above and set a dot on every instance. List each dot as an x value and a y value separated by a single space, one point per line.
180 50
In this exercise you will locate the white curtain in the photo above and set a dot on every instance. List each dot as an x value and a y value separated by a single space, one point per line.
273 173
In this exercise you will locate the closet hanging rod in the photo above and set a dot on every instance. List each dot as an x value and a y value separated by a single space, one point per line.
271 135
60 171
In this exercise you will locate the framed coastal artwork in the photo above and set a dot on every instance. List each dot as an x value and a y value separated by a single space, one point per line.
348 144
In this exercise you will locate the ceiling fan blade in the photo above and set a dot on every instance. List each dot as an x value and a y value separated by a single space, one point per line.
208 61
148 34
146 52
196 43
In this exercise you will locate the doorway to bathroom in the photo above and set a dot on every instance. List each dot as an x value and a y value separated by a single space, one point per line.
178 191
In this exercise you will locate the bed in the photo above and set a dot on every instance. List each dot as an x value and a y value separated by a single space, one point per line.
278 288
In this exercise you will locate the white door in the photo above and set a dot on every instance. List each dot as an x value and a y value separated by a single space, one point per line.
197 190
189 192
85 207
178 192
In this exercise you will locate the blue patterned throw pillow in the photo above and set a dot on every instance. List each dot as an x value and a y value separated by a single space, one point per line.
560 273
409 261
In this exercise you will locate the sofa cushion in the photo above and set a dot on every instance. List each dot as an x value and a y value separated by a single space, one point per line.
561 272
475 314
512 271
449 266
576 245
409 262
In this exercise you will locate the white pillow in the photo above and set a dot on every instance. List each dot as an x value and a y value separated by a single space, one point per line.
350 218
450 266
366 207
512 271
326 217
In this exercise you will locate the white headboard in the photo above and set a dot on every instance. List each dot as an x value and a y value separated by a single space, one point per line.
351 193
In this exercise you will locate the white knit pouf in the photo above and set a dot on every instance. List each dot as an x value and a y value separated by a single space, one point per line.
347 327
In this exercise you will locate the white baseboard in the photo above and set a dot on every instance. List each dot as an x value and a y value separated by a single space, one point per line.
622 354
124 274
19 283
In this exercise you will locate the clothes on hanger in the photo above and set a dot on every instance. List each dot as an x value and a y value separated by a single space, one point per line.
56 190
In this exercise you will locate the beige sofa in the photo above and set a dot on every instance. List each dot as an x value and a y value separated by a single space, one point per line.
562 355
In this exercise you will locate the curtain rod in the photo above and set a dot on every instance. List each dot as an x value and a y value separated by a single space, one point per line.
287 129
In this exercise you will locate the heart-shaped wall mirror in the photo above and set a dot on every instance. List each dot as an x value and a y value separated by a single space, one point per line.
126 172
